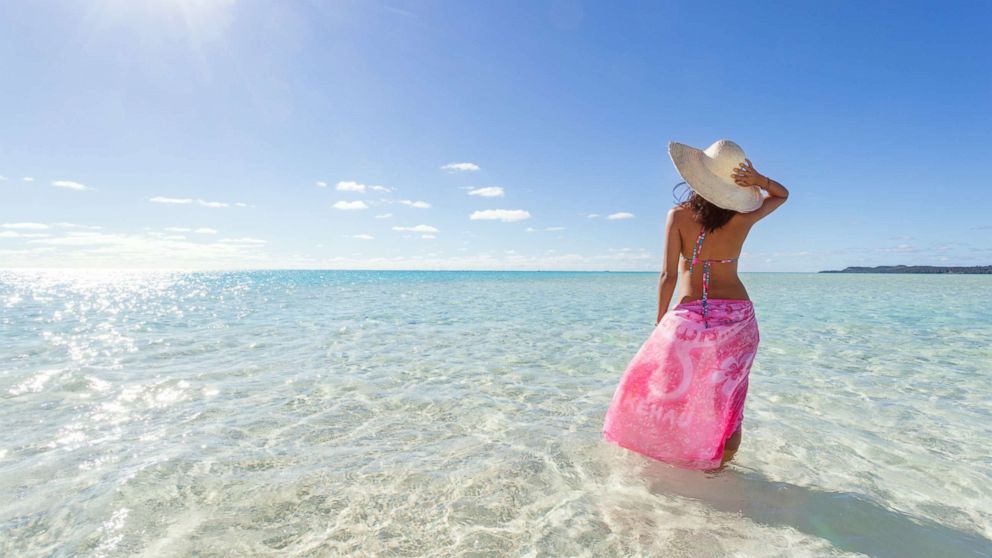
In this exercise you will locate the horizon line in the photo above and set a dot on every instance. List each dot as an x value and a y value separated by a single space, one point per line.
390 270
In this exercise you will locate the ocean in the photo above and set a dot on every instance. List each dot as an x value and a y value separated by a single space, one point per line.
354 413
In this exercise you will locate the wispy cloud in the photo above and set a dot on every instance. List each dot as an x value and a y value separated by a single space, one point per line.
417 229
320 184
506 259
488 192
28 179
212 204
352 186
399 11
384 216
626 254
188 201
2 178
545 229
417 204
460 167
350 205
70 185
162 199
505 215
75 247
898 249
243 240
26 226
201 230
363 236
619 216
428 236
593 216
16 234
75 226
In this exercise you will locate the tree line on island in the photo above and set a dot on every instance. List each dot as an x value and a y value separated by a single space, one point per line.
931 269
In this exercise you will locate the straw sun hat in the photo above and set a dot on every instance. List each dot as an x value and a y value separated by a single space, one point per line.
708 172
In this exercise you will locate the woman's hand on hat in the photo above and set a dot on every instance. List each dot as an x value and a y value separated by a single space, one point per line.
745 175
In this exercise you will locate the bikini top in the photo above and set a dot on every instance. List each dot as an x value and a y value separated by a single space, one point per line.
706 269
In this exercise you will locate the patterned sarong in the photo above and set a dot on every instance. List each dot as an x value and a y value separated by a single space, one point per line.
683 394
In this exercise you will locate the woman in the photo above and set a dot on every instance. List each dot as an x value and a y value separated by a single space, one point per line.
681 399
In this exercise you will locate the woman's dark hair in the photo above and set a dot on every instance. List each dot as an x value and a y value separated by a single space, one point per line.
708 215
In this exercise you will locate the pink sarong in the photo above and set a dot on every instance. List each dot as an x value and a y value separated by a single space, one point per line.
683 394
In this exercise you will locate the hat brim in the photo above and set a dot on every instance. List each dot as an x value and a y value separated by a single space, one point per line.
720 191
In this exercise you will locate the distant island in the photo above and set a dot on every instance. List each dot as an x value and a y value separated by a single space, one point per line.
972 270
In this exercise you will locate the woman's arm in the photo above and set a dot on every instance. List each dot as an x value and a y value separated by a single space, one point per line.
669 265
746 176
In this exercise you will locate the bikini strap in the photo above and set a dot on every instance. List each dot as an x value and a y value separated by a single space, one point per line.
706 272
697 248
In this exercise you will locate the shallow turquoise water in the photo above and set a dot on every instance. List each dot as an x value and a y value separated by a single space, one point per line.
448 413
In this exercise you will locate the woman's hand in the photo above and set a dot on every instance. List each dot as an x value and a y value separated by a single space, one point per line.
745 175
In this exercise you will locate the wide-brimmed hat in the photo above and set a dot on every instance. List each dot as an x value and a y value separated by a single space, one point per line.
709 171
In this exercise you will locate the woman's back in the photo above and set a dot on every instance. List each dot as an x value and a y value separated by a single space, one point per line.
717 246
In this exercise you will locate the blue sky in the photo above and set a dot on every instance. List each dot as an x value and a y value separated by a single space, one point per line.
198 134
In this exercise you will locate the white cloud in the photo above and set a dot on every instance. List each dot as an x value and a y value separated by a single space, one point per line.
213 204
187 201
320 184
75 226
28 179
346 205
417 204
242 204
545 229
384 216
620 216
15 234
487 260
350 186
488 192
201 230
460 167
70 185
505 215
89 249
26 226
2 178
78 239
899 249
161 199
363 236
593 215
428 236
418 229
243 240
